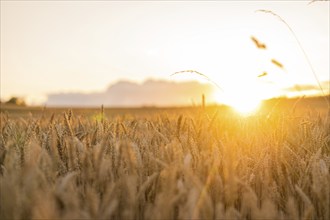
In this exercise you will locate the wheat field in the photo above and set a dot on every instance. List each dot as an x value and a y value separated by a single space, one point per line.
192 164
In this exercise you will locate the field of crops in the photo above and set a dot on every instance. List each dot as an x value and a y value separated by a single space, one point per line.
189 163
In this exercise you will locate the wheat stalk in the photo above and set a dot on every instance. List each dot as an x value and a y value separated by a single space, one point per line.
200 74
301 48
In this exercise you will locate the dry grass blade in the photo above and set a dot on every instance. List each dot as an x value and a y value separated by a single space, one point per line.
300 46
277 63
258 44
201 74
263 74
313 1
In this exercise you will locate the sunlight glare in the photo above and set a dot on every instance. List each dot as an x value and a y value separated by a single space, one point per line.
244 98
245 106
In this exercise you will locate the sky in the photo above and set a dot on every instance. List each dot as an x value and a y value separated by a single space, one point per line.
85 47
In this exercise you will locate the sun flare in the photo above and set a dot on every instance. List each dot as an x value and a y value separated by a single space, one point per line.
245 100
244 106
241 103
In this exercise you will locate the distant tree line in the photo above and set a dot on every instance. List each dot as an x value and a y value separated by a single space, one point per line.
15 101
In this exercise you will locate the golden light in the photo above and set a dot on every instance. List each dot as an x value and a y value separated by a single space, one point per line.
246 106
245 97
241 103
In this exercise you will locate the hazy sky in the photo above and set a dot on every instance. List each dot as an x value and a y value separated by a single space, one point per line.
84 46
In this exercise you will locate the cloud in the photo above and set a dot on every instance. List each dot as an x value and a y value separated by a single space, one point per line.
309 87
130 94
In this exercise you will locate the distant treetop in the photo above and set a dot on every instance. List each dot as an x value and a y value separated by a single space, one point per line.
16 101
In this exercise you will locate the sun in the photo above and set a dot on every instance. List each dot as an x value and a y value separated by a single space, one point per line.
245 101
242 103
244 106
